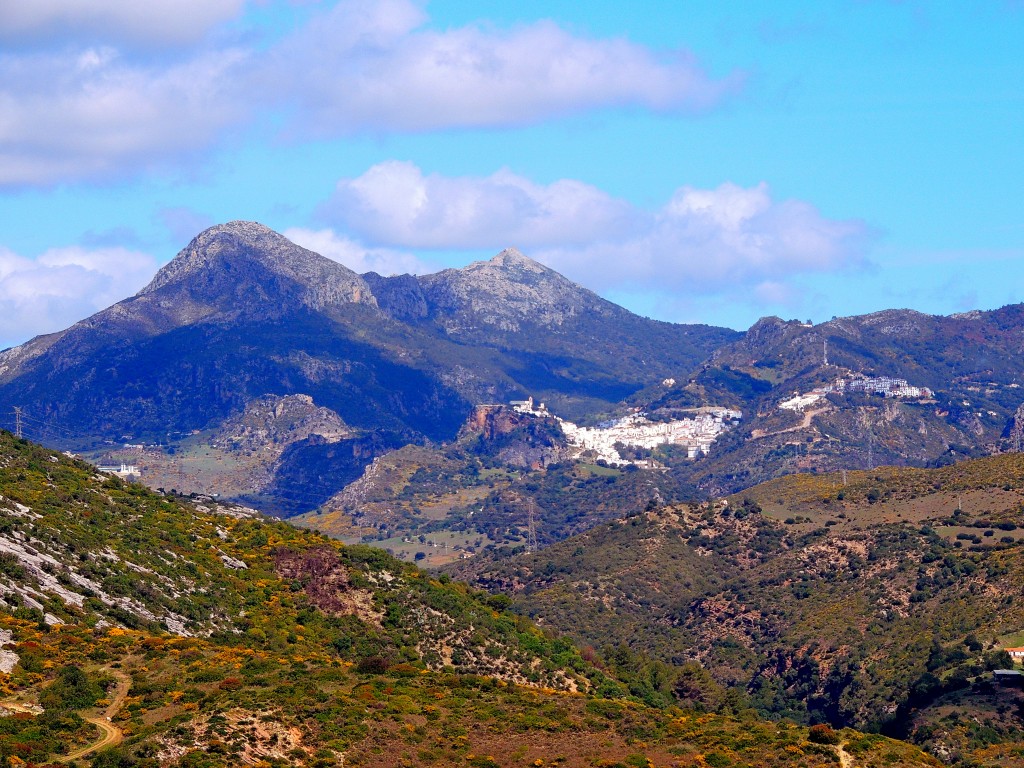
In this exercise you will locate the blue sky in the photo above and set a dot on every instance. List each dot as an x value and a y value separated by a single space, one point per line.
696 162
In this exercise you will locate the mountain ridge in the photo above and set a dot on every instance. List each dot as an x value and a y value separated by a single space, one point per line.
241 313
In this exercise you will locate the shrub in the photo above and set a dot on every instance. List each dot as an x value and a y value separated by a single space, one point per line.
822 734
373 665
71 690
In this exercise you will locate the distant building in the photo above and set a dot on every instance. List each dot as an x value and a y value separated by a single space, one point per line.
122 470
1017 654
528 406
1011 677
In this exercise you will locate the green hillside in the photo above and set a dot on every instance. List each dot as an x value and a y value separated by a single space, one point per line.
870 605
142 630
414 500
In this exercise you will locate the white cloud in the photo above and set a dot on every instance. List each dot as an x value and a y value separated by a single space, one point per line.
373 67
710 239
701 240
357 257
88 114
82 97
394 202
152 21
64 285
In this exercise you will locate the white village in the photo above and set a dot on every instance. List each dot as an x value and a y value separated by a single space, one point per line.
695 434
886 386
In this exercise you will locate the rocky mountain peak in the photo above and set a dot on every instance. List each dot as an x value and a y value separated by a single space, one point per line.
513 258
240 257
507 291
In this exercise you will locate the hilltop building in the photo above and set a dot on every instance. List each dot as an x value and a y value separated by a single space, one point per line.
886 386
124 471
527 406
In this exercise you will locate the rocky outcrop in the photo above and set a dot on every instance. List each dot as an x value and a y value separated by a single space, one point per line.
517 438
1013 434
493 421
280 421
399 296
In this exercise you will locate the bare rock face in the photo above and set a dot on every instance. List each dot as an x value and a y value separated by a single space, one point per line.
517 438
493 421
508 293
400 296
1013 434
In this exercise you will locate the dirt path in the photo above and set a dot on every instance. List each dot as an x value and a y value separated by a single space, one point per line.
845 760
757 434
112 735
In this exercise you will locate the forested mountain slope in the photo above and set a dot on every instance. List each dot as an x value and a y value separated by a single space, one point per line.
872 603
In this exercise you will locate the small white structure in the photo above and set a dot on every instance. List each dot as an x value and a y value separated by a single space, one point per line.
123 471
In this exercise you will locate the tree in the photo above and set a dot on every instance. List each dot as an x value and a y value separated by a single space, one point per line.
71 690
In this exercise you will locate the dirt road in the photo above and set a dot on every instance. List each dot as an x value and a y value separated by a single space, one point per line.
757 434
112 735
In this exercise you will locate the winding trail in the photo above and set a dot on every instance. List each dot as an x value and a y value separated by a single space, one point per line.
845 760
112 735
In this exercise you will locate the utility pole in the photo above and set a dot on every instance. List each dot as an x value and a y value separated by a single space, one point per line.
531 527
17 422
824 349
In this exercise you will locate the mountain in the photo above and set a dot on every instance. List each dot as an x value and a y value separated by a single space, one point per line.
962 375
143 630
242 315
242 322
878 600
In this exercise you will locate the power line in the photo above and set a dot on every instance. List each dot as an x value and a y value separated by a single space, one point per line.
17 422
